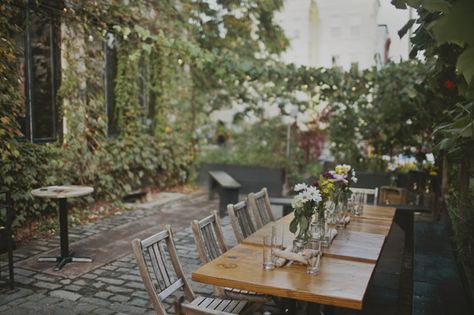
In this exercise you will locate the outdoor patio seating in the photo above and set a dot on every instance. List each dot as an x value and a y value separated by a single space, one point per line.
241 220
260 204
163 275
210 244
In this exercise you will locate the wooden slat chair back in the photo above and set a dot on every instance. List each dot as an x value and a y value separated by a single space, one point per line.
153 256
210 244
163 275
241 220
209 238
365 193
259 202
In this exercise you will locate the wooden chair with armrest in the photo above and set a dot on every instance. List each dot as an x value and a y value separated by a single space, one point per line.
210 244
163 276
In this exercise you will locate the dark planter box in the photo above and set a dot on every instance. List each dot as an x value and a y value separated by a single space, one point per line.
252 178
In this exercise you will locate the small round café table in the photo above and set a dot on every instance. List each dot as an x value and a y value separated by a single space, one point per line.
62 193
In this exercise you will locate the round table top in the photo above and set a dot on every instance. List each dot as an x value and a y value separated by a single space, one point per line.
58 192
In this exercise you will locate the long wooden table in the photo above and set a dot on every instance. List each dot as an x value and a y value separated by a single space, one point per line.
346 267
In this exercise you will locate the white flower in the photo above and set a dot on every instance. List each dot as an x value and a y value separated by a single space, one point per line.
354 179
300 187
297 202
303 195
313 194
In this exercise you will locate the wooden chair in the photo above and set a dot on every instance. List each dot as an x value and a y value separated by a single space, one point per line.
241 220
366 192
262 210
392 195
163 275
6 232
210 244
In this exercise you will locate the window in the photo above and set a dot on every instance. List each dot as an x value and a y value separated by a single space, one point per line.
38 63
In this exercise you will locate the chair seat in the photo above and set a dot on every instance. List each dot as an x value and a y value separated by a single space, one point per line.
222 306
238 294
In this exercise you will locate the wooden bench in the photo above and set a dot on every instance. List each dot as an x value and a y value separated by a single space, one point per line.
251 178
227 188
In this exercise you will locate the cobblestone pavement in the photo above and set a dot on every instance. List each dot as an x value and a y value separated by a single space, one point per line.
115 288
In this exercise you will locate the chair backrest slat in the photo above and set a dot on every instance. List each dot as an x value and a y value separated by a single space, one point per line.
259 202
241 220
161 258
163 266
171 289
365 192
211 241
209 237
154 264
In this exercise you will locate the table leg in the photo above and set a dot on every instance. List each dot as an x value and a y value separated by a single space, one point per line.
63 228
66 256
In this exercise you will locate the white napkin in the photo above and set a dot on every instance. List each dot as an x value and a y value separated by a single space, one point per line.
301 257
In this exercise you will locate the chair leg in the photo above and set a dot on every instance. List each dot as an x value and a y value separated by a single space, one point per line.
177 305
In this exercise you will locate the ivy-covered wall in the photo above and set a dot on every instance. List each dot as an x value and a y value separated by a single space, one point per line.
164 87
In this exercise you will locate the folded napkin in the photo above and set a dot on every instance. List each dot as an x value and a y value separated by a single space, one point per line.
288 255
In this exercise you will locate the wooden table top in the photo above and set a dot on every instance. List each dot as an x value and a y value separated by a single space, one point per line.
372 226
59 192
360 241
378 212
346 267
340 282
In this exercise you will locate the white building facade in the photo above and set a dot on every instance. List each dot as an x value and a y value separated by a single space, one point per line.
324 33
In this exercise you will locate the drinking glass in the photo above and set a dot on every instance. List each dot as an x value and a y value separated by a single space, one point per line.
278 233
268 252
313 263
360 204
340 214
319 233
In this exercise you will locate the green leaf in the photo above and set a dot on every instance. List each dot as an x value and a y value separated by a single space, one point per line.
456 25
436 5
406 27
399 4
466 64
293 225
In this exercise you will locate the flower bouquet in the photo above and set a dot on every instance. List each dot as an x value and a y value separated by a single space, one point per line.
305 204
342 177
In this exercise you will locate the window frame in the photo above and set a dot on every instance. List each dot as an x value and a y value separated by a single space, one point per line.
55 61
